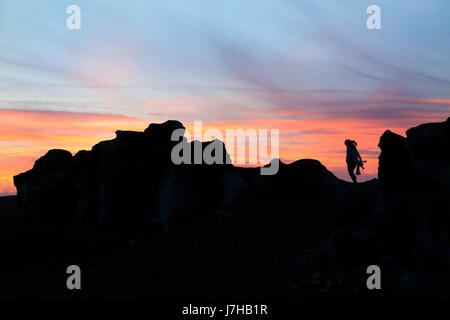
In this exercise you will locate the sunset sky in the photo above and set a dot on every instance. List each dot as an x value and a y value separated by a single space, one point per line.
308 68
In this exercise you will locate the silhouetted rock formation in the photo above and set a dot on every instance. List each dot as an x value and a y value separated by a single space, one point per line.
129 184
419 161
126 183
47 190
414 178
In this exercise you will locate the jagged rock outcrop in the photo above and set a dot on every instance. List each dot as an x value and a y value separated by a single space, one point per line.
430 143
46 191
131 182
415 183
418 162
127 183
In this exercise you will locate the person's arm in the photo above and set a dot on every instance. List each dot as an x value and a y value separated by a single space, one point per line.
358 155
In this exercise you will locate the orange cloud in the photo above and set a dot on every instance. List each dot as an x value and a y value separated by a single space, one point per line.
437 101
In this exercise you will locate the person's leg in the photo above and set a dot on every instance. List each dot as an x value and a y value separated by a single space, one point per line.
350 168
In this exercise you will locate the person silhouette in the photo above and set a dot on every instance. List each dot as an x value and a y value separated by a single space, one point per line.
353 159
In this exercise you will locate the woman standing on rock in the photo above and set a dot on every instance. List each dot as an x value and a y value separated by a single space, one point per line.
353 159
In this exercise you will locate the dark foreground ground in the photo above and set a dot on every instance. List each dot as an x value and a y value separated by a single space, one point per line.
235 260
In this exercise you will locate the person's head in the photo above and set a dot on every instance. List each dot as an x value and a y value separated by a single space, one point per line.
350 143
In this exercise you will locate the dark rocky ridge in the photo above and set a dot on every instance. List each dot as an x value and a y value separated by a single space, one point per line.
128 187
414 179
131 182
125 183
